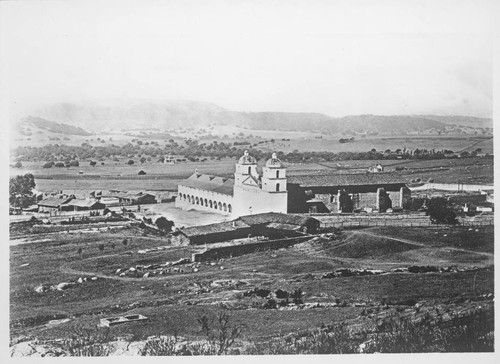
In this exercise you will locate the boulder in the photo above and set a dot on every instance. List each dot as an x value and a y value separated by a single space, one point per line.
63 285
40 289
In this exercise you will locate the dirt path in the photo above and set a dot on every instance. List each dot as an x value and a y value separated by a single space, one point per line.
412 242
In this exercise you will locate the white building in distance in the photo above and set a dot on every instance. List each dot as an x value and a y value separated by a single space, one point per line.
248 193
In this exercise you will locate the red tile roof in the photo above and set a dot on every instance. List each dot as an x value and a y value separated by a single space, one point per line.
207 182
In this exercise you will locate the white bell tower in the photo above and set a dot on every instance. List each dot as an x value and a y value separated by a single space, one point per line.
274 176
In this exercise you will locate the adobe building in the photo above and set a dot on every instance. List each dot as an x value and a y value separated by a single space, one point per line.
269 225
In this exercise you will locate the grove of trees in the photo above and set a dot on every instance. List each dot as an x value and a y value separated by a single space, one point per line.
21 191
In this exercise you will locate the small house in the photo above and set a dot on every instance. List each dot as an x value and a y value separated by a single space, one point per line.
53 204
83 205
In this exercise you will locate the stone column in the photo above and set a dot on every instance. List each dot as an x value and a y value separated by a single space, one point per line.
404 197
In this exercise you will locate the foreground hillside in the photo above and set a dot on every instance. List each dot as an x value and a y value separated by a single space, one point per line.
344 291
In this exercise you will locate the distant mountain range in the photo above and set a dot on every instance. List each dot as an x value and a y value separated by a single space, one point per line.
73 118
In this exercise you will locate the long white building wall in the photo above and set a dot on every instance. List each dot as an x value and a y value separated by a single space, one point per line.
192 198
248 201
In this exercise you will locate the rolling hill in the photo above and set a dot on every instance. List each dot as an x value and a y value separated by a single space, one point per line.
27 125
163 115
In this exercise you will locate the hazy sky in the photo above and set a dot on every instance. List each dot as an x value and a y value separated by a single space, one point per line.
334 57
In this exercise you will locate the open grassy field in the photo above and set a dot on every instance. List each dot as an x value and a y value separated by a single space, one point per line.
119 175
174 300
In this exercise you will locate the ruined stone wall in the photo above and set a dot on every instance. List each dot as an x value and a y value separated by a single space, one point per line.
368 199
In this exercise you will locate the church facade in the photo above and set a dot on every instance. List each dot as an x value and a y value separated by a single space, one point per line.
248 193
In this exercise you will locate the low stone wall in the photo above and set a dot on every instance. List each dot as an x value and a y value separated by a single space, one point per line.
242 249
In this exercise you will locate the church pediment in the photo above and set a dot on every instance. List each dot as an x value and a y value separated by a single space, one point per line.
250 181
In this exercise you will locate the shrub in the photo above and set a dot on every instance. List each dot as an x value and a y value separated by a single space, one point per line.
86 341
440 212
222 337
160 347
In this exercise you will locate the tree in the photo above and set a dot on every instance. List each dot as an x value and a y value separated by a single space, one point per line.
440 212
21 191
142 160
164 224
130 162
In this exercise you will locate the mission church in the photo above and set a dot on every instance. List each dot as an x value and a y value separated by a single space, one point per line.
248 193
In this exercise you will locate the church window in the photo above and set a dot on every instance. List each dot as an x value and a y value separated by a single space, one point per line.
219 206
229 208
277 187
277 174
211 205
197 201
225 207
201 201
249 170
206 202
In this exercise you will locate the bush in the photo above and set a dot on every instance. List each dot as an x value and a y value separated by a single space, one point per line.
440 212
141 173
86 341
222 337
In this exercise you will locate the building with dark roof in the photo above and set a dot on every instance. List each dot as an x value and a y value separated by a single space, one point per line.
53 204
269 225
83 205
